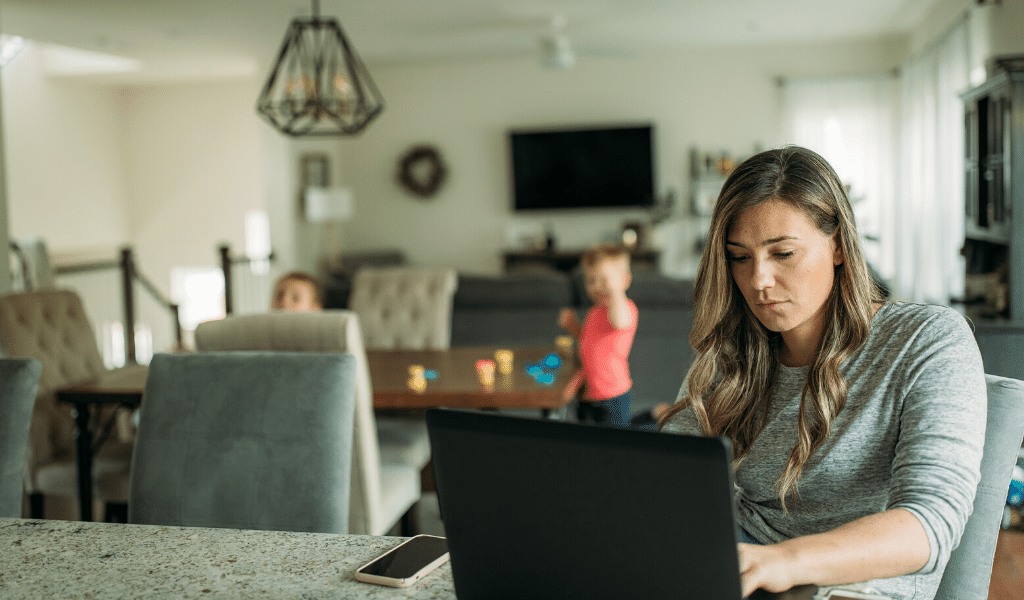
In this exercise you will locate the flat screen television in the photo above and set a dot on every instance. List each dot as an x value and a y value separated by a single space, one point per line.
582 167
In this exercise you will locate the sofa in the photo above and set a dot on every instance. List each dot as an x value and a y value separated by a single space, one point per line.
521 308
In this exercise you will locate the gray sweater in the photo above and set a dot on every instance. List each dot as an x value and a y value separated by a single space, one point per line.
910 437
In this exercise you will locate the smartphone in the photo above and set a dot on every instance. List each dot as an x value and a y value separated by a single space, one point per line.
406 563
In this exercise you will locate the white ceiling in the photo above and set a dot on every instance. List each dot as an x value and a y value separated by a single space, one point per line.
173 39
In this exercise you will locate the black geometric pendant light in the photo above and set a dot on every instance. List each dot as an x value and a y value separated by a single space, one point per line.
318 85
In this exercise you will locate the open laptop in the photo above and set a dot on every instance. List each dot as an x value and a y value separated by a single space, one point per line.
543 509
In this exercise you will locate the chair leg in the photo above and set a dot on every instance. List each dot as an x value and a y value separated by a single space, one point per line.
35 506
116 512
410 522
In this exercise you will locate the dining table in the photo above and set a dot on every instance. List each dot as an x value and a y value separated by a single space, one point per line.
118 387
536 378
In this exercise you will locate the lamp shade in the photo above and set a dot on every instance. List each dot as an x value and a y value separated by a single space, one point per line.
328 205
318 85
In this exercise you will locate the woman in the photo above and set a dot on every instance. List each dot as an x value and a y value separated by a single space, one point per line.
856 424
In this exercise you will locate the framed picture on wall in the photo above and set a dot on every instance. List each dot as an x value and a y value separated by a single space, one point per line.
314 171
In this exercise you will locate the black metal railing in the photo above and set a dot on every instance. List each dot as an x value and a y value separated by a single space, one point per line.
226 263
130 274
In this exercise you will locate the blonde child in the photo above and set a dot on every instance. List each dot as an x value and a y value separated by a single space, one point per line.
605 338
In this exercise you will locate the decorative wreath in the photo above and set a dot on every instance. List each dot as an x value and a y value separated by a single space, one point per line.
421 171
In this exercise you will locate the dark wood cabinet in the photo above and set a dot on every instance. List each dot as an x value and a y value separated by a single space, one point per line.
994 230
567 260
994 186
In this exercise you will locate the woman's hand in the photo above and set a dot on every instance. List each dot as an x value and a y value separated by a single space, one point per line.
765 567
878 546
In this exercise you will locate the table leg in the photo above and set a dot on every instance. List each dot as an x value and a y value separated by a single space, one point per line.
83 455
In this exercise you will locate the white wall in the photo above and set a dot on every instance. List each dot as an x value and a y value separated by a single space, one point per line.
1000 29
194 155
66 176
172 169
715 99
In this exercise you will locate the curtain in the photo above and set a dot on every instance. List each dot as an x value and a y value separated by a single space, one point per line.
851 122
930 207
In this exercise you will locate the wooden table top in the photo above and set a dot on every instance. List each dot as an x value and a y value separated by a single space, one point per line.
457 384
117 386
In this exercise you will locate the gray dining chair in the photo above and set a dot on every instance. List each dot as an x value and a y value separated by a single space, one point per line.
969 569
19 379
386 464
247 440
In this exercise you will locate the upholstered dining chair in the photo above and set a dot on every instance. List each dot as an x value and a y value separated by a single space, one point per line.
247 440
969 569
19 380
404 307
385 471
51 326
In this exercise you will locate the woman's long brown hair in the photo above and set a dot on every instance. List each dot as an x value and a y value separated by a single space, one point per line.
731 381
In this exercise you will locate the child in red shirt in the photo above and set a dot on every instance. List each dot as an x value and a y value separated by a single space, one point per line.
605 338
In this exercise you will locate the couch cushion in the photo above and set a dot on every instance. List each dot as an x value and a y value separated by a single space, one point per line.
655 289
648 289
516 290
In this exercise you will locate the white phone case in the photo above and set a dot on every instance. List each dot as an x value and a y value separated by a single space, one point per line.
395 582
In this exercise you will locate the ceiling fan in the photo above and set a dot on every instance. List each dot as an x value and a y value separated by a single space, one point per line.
556 50
512 29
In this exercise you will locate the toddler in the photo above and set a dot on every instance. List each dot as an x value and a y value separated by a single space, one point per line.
605 338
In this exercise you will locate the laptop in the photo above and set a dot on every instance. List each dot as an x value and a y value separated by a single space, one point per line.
543 509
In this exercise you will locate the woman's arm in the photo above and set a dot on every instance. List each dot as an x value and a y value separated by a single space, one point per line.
877 546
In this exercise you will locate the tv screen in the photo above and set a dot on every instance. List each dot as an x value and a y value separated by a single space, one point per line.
585 167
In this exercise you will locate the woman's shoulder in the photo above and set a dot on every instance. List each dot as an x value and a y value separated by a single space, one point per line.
904 329
912 316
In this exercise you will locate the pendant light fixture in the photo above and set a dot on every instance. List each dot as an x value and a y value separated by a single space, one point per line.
318 85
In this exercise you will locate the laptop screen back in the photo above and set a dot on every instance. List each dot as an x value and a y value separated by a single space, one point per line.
542 509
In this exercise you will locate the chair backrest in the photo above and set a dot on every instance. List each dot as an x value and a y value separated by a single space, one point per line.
969 569
19 379
50 326
249 440
327 331
404 307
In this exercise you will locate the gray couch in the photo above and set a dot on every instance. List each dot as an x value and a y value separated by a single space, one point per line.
521 308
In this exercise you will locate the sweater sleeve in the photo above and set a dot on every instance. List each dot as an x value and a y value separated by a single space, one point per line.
936 468
684 421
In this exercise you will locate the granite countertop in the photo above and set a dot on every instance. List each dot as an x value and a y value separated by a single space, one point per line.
69 559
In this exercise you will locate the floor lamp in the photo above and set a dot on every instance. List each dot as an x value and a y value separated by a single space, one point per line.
330 206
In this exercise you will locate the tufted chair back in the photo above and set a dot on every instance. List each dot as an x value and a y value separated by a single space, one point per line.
51 326
404 307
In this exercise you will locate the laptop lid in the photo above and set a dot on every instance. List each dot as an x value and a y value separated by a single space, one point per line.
544 509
